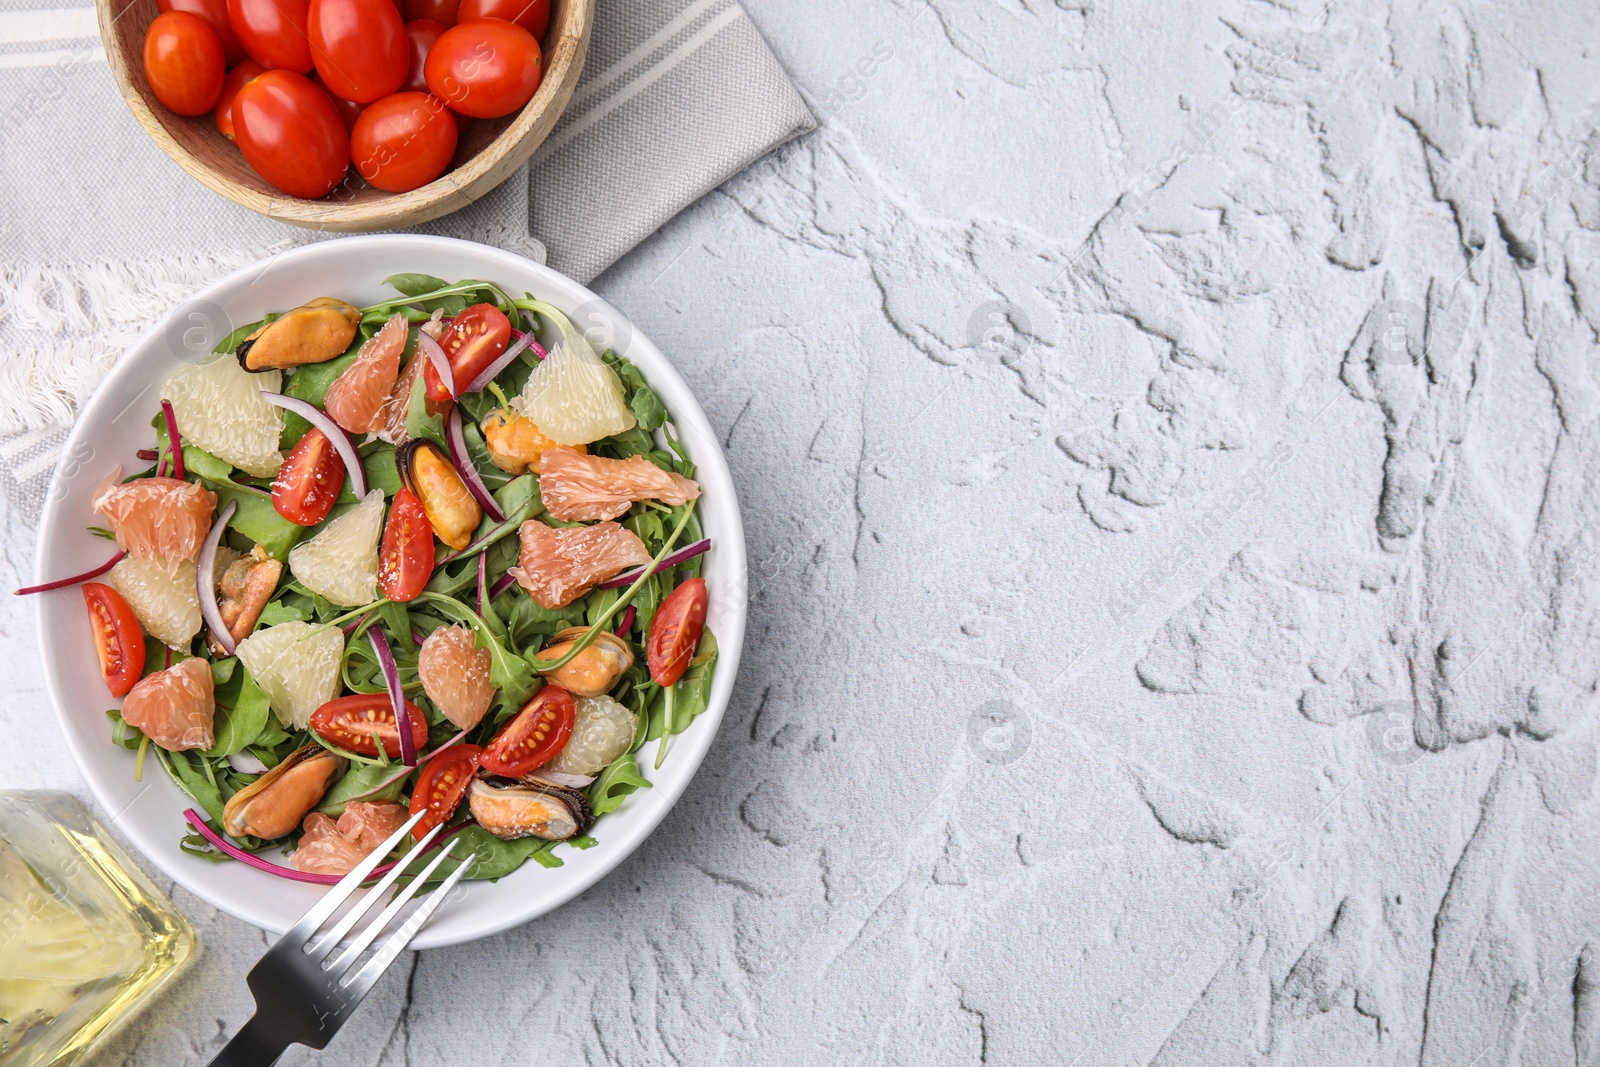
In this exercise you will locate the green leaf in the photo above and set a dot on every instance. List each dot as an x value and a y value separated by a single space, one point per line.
283 611
398 621
192 779
415 284
231 342
123 735
508 672
642 400
418 422
615 783
239 726
310 383
222 671
359 779
257 519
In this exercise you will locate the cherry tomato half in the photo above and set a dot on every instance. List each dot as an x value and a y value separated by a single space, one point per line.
274 32
230 89
440 11
473 340
420 37
675 632
534 737
405 561
441 786
361 722
309 481
359 47
486 68
290 132
215 12
403 142
118 641
183 62
531 15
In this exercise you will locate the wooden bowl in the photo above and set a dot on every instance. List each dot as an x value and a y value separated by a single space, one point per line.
489 152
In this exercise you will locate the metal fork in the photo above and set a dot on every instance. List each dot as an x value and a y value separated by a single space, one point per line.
301 998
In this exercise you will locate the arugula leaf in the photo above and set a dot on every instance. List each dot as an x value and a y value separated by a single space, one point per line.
418 422
415 284
192 780
398 621
361 778
642 400
123 735
231 342
239 726
282 611
615 783
256 518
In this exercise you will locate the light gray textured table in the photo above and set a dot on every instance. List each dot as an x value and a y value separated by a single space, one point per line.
1167 439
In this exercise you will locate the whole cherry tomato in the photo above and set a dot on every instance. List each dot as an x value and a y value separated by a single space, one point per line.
534 737
473 340
405 560
360 723
274 32
230 88
675 632
403 142
215 12
442 784
486 68
359 48
290 132
420 37
531 15
183 62
440 11
309 481
118 641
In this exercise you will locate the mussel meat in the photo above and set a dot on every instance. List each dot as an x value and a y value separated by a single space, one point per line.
514 441
593 671
274 804
311 333
243 591
452 510
510 809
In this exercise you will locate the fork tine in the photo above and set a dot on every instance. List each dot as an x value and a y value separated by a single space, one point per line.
359 945
369 974
328 940
298 934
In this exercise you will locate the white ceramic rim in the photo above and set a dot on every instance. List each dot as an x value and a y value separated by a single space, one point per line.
148 814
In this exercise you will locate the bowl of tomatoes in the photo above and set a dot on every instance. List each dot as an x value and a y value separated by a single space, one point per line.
347 115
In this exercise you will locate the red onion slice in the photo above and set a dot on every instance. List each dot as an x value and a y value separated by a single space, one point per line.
76 579
456 438
245 763
422 759
397 696
622 581
502 583
503 360
627 622
331 430
174 442
441 362
250 859
205 580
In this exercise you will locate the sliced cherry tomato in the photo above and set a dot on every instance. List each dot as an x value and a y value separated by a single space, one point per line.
215 12
403 142
420 37
359 47
118 641
290 132
275 32
441 786
675 632
309 481
440 11
486 68
230 88
361 722
473 340
405 561
534 737
183 62
531 15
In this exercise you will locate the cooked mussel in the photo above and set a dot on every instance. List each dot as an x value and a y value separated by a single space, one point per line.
593 671
311 333
452 510
510 809
514 442
274 804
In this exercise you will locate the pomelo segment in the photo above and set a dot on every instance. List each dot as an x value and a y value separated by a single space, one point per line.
219 408
454 673
297 665
602 731
158 520
329 847
581 488
573 397
176 708
341 562
557 567
357 397
166 602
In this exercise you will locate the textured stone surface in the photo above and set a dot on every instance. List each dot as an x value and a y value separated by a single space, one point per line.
1167 440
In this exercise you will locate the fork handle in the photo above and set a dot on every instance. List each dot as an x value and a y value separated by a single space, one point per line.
255 1045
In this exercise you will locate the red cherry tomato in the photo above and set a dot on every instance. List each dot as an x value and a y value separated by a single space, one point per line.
534 737
118 641
215 12
274 32
675 632
531 15
290 132
473 340
405 560
440 11
486 68
348 110
230 89
403 142
309 481
183 62
420 37
361 722
441 786
359 48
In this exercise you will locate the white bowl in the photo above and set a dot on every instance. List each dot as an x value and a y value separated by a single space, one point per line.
116 423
